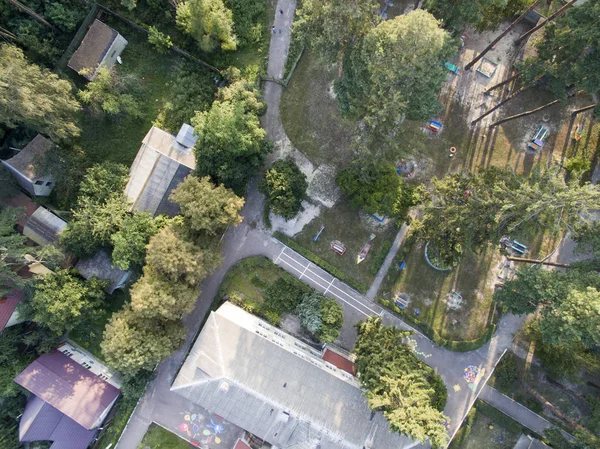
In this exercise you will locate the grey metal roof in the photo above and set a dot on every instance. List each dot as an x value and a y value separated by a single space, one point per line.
260 379
186 136
101 266
44 227
42 422
160 165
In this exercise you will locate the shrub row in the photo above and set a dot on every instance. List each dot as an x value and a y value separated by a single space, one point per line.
380 257
320 262
453 345
295 51
464 431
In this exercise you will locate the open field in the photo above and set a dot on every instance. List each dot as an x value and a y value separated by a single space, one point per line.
159 438
352 228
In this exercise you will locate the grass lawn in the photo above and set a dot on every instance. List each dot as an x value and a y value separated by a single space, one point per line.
426 289
310 114
250 278
347 225
159 438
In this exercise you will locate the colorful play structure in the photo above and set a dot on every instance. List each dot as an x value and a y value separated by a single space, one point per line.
538 141
364 251
338 247
453 300
316 237
384 11
487 67
451 67
513 245
379 218
578 132
405 168
401 301
434 126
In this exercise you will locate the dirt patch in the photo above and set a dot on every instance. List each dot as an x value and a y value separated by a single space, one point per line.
297 224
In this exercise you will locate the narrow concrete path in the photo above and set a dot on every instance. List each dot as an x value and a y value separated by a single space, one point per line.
372 292
517 411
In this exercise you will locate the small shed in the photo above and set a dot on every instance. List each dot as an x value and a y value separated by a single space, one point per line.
100 47
43 227
23 168
101 266
8 309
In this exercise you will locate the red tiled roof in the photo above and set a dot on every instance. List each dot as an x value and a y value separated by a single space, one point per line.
8 304
338 360
21 200
69 387
241 444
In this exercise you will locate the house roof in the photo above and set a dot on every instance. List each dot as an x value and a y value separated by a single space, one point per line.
268 383
8 304
241 444
23 201
101 266
339 360
23 162
42 422
160 165
68 387
527 442
93 48
44 227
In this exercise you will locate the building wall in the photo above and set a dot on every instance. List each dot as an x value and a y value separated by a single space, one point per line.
43 186
14 319
115 50
23 182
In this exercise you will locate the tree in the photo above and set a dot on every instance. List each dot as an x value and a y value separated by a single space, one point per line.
247 19
284 295
35 97
161 41
153 296
333 27
587 236
396 72
132 343
112 94
396 383
8 186
129 4
102 180
375 186
285 187
576 320
129 242
178 259
205 207
309 312
332 319
209 22
62 301
231 144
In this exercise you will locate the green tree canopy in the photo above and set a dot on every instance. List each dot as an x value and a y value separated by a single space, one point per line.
231 144
397 384
332 320
35 97
309 312
132 342
332 27
161 41
209 22
63 301
375 186
285 187
396 72
112 94
247 19
284 295
178 259
129 242
205 207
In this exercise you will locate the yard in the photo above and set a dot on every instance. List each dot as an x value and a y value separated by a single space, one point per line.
352 228
158 438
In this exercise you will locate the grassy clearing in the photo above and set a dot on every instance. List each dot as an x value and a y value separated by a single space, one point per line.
473 279
310 114
159 438
250 278
352 228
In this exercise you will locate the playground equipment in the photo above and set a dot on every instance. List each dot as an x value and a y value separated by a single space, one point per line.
401 301
338 247
453 300
316 237
405 168
384 11
434 126
364 251
451 67
538 141
402 265
578 132
487 67
379 218
514 245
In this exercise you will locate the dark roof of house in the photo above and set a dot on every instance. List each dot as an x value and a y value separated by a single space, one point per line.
23 201
241 444
44 227
93 48
101 266
8 304
42 422
24 161
69 387
339 361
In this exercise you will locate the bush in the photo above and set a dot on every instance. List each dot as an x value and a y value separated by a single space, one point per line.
320 262
283 296
380 257
161 41
507 370
441 392
464 431
285 186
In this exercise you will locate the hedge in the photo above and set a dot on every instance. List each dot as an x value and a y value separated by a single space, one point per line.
453 345
464 431
320 262
380 257
504 420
